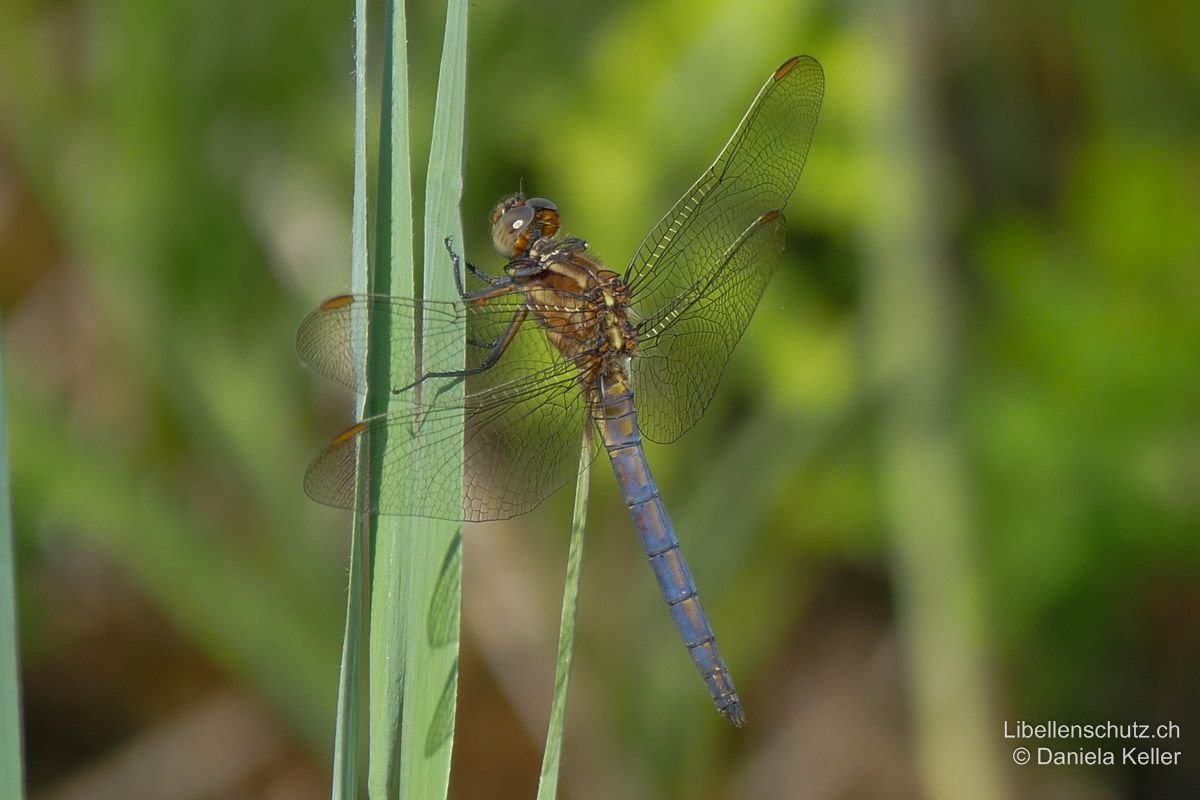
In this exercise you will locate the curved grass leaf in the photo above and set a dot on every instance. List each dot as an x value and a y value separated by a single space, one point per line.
348 731
395 274
431 568
415 572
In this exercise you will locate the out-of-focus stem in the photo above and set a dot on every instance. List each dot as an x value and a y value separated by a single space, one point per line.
911 362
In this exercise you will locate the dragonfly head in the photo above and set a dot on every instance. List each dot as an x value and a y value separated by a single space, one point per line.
518 222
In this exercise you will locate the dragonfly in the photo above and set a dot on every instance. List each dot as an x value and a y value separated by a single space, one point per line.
558 345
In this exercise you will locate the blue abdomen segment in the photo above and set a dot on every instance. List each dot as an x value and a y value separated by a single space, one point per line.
617 421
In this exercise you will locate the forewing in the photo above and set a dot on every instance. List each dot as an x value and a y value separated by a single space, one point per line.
682 351
523 417
711 236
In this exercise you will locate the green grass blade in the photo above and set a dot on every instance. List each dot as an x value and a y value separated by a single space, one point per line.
348 737
11 773
394 274
551 757
433 564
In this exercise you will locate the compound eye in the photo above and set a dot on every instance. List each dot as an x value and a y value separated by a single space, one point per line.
541 204
517 218
510 231
504 205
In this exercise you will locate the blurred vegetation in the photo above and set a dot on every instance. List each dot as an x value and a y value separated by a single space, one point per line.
175 194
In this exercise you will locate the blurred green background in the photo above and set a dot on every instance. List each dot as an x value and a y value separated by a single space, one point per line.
951 478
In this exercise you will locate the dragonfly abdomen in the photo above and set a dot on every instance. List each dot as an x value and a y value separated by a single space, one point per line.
617 420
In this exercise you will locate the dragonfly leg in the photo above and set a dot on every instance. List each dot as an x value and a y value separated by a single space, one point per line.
497 349
525 267
493 281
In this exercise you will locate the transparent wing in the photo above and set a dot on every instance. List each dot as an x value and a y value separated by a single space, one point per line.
681 354
712 237
523 417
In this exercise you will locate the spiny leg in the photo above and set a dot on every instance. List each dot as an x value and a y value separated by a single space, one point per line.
483 276
497 349
497 286
493 281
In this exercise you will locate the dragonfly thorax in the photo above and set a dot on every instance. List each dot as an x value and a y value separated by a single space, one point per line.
582 304
611 299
